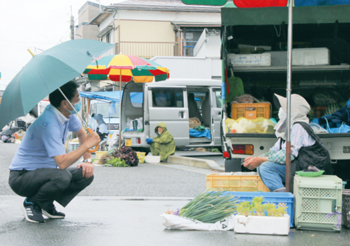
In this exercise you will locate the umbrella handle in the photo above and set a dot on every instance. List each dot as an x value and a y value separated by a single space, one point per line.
97 146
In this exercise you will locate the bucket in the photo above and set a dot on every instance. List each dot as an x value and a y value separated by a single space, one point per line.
152 159
141 156
99 154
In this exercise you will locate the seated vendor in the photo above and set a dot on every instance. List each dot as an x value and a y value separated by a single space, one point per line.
306 147
163 144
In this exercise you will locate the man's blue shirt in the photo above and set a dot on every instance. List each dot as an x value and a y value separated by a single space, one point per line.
44 139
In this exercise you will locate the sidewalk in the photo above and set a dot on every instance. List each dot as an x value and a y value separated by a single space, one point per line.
195 159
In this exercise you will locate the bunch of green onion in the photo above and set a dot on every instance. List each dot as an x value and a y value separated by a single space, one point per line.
210 206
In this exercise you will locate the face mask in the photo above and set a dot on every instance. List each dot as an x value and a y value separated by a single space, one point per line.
281 114
77 107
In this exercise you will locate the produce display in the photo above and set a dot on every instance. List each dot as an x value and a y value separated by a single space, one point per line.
243 125
123 157
209 207
256 208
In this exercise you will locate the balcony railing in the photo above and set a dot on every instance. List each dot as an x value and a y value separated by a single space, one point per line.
149 49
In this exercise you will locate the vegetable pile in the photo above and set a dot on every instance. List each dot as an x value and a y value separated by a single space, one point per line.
210 206
123 157
128 155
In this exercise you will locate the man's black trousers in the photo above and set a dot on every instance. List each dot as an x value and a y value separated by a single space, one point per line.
45 185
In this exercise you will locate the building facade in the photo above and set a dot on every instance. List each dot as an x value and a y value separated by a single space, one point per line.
148 28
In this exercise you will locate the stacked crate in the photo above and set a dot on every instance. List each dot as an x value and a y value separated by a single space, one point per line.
318 202
229 182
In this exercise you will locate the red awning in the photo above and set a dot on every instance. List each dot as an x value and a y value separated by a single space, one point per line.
260 3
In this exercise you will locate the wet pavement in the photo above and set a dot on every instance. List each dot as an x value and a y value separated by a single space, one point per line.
123 207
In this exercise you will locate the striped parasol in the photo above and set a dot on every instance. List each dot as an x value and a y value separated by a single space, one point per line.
124 68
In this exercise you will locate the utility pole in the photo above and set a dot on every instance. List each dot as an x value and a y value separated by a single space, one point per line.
71 24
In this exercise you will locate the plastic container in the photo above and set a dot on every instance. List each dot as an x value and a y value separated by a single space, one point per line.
152 159
238 60
251 110
141 156
71 146
245 183
99 154
262 225
310 174
346 208
310 56
318 202
269 197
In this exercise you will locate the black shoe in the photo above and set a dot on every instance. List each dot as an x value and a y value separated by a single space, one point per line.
32 212
53 214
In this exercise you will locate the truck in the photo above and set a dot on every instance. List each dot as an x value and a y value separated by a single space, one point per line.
254 44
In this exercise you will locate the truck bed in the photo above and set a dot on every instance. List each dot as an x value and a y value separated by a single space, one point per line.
338 144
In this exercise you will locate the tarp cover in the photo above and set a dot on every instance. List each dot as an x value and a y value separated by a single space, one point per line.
320 2
205 2
233 16
112 96
260 3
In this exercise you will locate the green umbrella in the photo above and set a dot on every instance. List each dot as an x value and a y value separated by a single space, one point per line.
46 72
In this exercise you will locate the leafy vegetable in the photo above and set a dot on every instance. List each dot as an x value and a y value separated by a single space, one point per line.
256 208
128 155
116 162
210 206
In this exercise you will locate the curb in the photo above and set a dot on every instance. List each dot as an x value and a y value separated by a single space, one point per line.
195 162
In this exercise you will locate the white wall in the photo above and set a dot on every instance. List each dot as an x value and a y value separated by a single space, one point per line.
191 17
190 67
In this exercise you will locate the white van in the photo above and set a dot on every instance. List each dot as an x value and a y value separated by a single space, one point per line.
173 102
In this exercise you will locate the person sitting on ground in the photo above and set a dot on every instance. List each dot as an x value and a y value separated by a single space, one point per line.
101 128
306 147
41 169
163 144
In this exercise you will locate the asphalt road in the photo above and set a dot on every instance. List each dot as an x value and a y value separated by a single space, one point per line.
123 207
147 180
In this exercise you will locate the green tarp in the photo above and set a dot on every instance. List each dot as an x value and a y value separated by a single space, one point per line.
205 2
231 15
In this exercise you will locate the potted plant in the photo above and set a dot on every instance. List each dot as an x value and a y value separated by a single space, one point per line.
258 218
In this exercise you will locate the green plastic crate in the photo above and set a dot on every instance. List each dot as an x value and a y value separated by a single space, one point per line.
316 201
